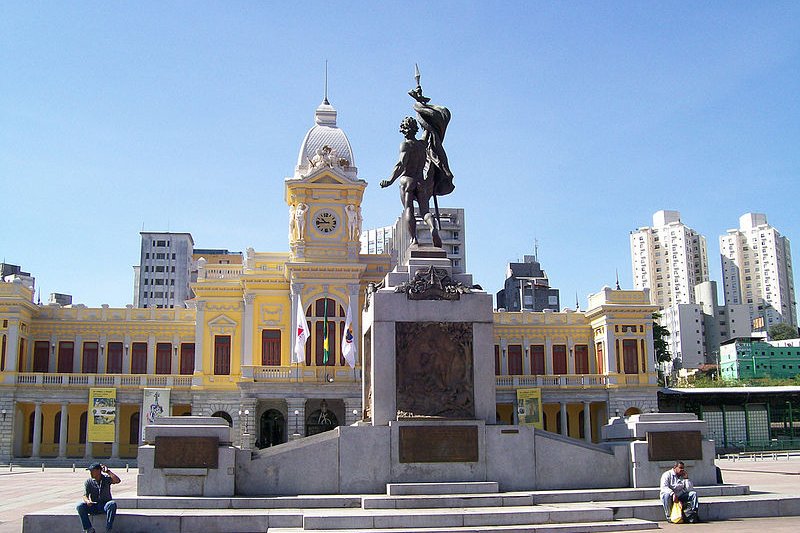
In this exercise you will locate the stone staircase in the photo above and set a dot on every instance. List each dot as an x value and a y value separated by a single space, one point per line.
423 508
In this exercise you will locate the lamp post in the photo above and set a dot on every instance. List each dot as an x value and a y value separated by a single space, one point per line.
791 420
296 422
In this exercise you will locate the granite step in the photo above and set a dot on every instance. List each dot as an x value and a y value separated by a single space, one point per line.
466 487
240 502
626 524
616 494
507 499
400 519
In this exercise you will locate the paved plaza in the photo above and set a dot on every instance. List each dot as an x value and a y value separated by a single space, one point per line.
23 490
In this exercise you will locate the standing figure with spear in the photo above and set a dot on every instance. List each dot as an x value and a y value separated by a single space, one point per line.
423 168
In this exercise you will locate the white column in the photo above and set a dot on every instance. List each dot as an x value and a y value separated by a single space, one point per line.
526 356
350 405
62 434
198 338
37 430
174 366
12 346
503 357
151 354
115 444
77 355
570 356
52 363
587 421
296 408
548 357
126 355
247 332
564 427
101 355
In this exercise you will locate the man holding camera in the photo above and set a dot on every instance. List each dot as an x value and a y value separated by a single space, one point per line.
97 497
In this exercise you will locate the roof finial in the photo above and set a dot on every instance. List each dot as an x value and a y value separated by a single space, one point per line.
536 250
325 101
577 304
617 272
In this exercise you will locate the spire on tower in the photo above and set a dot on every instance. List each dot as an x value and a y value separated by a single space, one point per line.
325 99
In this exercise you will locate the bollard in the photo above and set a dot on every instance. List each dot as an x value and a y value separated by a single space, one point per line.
42 467
127 467
10 467
73 467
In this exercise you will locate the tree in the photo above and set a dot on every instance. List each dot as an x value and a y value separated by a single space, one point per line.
782 331
660 335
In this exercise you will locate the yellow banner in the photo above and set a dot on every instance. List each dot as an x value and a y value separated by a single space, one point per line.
102 415
529 407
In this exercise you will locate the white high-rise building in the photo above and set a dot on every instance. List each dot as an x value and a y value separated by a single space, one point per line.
757 271
668 258
395 239
162 277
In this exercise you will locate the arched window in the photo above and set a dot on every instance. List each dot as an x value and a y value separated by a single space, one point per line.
272 428
82 430
316 315
224 415
321 420
57 428
134 429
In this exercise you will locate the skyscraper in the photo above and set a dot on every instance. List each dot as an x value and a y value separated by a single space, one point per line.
162 277
668 258
757 271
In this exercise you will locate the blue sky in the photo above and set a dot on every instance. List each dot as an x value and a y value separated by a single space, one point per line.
572 123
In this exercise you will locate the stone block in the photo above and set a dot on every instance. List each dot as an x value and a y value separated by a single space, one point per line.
241 523
364 459
222 433
510 457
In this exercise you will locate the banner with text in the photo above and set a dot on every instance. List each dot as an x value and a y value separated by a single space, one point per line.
529 407
154 405
102 417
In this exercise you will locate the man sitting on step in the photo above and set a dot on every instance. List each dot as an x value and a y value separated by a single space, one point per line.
676 487
97 496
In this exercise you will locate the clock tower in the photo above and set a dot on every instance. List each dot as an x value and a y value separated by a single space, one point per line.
324 195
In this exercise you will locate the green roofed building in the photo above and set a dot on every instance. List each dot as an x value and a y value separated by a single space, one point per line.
748 357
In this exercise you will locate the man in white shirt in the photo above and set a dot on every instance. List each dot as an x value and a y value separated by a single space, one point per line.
675 486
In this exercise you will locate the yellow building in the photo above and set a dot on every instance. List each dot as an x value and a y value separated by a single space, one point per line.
230 353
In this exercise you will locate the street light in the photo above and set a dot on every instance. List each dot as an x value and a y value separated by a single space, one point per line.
296 417
246 413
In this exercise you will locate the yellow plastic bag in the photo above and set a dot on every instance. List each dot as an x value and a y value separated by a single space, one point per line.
676 514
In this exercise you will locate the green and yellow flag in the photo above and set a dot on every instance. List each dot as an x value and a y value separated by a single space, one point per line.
326 350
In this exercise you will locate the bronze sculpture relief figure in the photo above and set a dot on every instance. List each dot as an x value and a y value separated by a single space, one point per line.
423 168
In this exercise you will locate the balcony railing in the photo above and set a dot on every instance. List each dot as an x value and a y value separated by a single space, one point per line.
320 374
550 381
104 380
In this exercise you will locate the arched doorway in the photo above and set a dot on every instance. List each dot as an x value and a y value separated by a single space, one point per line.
272 429
632 411
321 420
225 416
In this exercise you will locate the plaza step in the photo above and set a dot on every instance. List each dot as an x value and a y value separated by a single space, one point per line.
588 510
401 520
466 487
626 524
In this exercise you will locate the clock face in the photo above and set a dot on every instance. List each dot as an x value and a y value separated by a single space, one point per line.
325 221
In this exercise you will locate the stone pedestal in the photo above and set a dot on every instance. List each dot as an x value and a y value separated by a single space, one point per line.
427 345
187 456
656 440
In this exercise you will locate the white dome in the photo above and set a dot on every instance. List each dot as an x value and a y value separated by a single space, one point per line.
324 133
